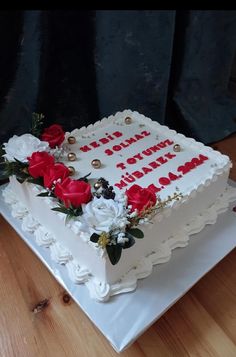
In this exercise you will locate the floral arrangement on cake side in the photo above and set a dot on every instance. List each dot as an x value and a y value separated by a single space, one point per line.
113 220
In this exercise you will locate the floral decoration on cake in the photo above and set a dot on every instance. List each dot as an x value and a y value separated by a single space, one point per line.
113 220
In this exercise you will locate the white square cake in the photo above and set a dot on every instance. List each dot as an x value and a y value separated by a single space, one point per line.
140 159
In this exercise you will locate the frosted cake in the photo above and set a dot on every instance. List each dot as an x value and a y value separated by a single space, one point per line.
113 199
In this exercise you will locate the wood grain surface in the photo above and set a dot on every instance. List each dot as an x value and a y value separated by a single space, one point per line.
38 318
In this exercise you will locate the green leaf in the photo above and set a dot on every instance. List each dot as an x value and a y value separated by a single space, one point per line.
37 123
130 242
36 181
20 179
60 209
84 178
114 253
137 233
76 211
94 237
20 163
68 218
44 194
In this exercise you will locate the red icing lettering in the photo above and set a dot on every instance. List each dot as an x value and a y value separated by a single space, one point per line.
161 160
172 176
120 184
138 174
162 145
147 152
130 141
124 145
169 155
117 134
121 166
108 152
145 133
203 157
154 165
85 148
164 181
169 142
129 178
94 144
154 148
138 156
117 148
138 137
104 140
131 161
146 170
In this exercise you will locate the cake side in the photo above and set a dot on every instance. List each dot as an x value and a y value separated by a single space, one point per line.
100 290
92 257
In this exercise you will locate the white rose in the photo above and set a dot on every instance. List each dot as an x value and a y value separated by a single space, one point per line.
103 215
20 147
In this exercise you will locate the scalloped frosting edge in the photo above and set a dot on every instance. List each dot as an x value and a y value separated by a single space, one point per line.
102 291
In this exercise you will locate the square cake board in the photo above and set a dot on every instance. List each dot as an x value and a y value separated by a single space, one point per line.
126 316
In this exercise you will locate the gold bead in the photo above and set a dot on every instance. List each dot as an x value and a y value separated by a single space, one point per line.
128 120
71 140
71 170
96 163
97 185
177 148
71 156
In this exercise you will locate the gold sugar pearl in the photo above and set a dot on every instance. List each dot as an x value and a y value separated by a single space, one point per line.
71 140
97 185
71 156
71 170
96 163
177 148
128 120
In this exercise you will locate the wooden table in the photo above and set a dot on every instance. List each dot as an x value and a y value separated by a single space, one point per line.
38 318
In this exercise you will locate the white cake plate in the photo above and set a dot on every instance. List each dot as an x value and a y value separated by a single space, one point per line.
125 317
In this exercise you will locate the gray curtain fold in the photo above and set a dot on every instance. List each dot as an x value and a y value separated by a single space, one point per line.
201 93
79 66
133 59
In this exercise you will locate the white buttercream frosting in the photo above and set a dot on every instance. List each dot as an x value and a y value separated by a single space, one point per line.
19 210
60 254
77 273
9 195
98 290
29 223
43 237
21 147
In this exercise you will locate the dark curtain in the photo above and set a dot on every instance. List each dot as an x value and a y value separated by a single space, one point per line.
79 66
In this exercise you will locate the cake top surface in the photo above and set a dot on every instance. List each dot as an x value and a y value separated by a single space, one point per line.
133 149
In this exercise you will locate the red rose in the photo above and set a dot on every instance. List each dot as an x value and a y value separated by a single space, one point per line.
53 173
73 192
54 135
38 162
140 198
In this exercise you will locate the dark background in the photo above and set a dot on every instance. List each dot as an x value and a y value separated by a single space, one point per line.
175 66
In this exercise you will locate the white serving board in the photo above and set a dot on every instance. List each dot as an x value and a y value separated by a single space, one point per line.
125 317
